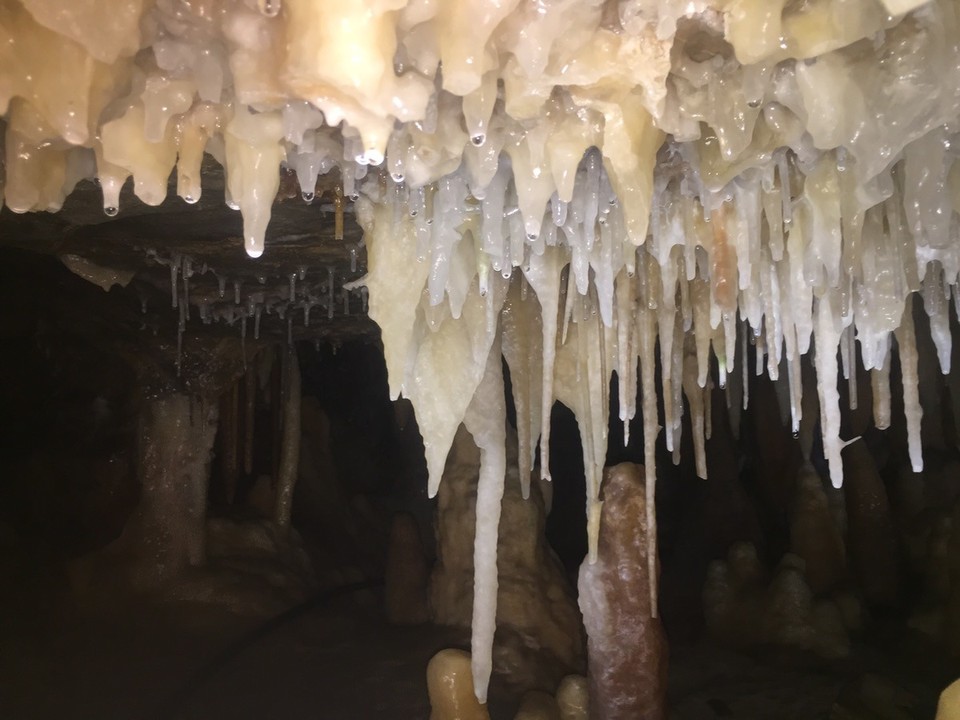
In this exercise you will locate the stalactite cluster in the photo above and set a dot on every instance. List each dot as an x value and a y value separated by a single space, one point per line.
586 188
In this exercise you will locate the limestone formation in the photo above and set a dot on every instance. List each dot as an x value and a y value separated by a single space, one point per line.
627 651
450 686
573 698
745 607
949 706
871 540
539 635
814 536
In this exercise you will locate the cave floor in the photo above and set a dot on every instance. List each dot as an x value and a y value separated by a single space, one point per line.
339 661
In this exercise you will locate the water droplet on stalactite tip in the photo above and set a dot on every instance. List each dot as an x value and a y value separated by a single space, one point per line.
354 196
532 236
111 211
796 434
307 197
269 8
413 212
190 199
397 177
478 139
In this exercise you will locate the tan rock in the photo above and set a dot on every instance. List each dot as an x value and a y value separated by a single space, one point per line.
450 686
573 698
949 706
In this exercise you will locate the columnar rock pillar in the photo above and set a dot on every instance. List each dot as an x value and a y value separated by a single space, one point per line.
626 649
176 437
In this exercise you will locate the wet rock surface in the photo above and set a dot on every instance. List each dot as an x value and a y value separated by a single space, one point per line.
627 650
539 634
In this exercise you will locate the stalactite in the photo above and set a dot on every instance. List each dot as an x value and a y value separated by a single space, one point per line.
700 206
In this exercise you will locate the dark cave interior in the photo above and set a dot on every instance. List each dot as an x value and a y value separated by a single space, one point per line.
337 617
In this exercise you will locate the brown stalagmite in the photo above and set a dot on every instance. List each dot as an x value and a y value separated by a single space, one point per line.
871 536
573 698
627 652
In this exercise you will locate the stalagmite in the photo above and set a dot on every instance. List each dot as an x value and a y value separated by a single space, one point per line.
573 698
627 649
450 685
290 446
948 708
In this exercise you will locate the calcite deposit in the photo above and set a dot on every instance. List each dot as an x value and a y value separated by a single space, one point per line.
627 650
571 184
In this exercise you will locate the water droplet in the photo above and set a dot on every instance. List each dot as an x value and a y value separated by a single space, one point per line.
397 177
413 212
307 196
796 434
111 211
354 196
478 139
429 221
723 384
269 8
532 236
232 205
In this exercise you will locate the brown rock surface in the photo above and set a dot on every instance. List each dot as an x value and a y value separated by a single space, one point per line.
573 698
871 538
539 634
627 652
537 705
406 574
814 535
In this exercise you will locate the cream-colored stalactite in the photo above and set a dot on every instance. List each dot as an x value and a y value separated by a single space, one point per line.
253 155
107 29
523 351
126 146
907 350
485 418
